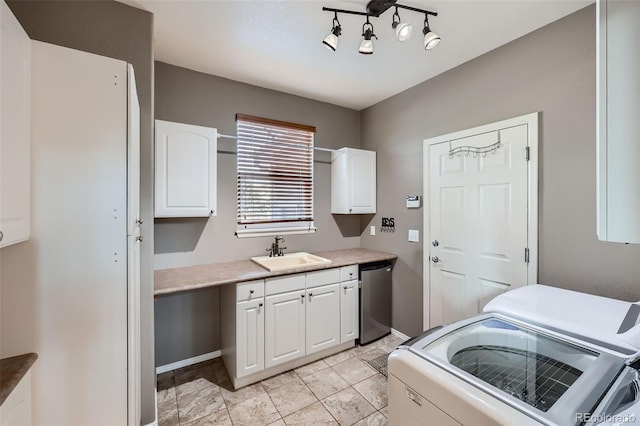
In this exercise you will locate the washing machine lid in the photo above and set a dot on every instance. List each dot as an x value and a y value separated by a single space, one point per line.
610 323
541 373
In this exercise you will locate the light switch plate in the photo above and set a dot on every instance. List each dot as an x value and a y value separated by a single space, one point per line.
372 230
414 236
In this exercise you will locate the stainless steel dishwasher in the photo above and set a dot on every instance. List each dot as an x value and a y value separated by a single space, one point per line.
375 301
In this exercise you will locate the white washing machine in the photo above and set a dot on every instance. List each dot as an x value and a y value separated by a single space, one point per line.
538 355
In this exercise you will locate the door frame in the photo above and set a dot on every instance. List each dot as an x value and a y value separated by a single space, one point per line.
531 120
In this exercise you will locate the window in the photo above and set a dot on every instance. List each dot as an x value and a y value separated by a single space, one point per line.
275 177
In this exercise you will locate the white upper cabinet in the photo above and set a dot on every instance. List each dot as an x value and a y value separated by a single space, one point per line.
353 181
618 133
186 163
15 142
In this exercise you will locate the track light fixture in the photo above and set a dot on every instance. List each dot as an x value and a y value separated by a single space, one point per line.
331 41
366 47
375 8
431 39
403 29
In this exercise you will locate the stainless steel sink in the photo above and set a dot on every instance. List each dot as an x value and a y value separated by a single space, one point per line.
290 261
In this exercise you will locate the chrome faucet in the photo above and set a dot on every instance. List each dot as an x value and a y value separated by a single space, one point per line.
275 249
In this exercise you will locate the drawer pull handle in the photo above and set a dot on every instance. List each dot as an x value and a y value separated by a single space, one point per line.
302 298
310 296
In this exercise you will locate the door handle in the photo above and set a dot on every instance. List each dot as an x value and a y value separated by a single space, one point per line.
310 296
302 298
435 259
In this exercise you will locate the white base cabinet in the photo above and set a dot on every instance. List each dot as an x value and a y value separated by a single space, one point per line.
353 181
16 409
186 164
280 323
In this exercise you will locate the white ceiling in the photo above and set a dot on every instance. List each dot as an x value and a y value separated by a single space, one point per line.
277 44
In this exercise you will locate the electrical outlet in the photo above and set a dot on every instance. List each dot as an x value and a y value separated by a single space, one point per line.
372 230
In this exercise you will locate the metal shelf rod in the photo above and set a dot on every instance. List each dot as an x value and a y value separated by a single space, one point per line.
220 136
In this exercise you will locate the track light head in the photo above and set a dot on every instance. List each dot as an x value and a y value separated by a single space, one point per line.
403 29
331 41
431 39
366 47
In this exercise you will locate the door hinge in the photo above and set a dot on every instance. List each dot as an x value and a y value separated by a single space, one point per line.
526 154
526 255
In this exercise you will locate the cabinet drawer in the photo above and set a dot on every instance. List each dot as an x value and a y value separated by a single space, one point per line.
327 276
250 290
348 273
284 284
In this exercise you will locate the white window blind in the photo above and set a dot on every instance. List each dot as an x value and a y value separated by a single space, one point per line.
275 177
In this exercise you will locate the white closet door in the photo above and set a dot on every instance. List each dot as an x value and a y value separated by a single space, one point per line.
79 143
15 143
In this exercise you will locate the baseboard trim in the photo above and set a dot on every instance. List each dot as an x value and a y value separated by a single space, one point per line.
399 334
186 362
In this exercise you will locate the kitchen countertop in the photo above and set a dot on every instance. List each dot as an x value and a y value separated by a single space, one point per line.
12 370
174 280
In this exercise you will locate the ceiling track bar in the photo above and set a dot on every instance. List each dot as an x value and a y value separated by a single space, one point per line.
415 9
351 12
377 15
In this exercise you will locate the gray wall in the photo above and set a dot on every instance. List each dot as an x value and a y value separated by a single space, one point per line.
551 70
189 324
115 30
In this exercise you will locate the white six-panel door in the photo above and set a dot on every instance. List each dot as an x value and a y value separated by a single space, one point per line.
478 221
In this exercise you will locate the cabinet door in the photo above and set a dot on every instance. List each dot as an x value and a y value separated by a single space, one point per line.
249 337
15 142
323 317
353 181
284 327
349 311
362 181
185 170
618 153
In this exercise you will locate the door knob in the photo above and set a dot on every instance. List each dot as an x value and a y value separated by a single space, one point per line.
435 243
435 259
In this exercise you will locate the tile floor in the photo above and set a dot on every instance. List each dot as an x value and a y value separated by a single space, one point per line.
340 389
